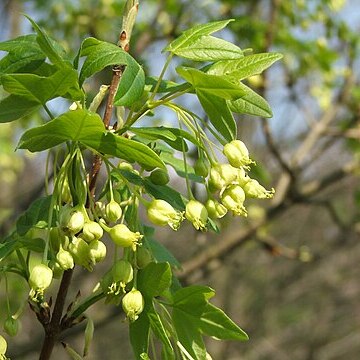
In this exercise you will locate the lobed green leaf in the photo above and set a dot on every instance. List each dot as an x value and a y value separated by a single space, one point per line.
15 107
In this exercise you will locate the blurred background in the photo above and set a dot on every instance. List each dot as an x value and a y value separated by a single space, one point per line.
289 274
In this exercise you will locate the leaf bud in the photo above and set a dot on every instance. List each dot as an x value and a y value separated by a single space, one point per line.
123 236
215 209
40 277
92 231
159 177
233 198
222 175
254 190
237 154
113 211
197 214
65 259
162 213
97 251
133 304
11 326
3 347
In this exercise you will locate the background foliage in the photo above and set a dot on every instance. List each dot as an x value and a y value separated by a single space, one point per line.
289 274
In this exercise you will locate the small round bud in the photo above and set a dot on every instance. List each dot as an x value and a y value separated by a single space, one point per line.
71 220
11 326
222 175
123 236
254 190
125 166
237 154
40 277
122 272
159 177
97 251
201 167
65 259
162 213
215 209
113 211
79 249
133 304
3 347
233 198
143 257
92 231
197 214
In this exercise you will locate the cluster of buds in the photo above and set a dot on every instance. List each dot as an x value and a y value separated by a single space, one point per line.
232 183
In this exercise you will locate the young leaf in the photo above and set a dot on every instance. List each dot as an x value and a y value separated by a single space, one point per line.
159 330
77 125
219 114
37 215
154 279
7 246
252 104
41 89
100 54
245 67
15 107
190 35
120 147
139 334
51 48
161 253
211 84
209 48
24 55
214 322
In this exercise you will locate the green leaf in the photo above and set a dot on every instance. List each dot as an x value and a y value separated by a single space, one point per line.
209 48
166 193
252 104
77 125
41 89
247 66
154 279
24 55
32 244
214 322
120 147
37 215
159 330
8 246
179 167
100 54
50 47
211 84
165 85
219 115
139 334
190 35
15 107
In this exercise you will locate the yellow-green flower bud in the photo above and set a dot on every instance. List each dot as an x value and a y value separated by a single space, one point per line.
197 214
123 236
65 259
233 198
215 209
159 177
65 192
11 326
40 277
113 211
162 213
222 175
71 220
125 166
237 154
143 257
201 167
97 251
133 304
79 249
3 347
242 177
254 190
92 231
122 272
